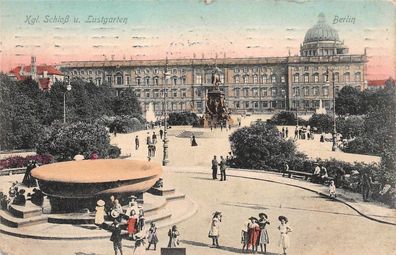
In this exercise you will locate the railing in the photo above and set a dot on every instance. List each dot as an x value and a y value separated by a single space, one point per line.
11 171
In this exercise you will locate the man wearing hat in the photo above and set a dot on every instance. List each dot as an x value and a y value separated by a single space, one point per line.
116 237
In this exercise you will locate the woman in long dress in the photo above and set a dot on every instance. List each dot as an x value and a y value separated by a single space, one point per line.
284 230
193 141
132 224
152 236
173 234
214 231
264 238
100 212
254 233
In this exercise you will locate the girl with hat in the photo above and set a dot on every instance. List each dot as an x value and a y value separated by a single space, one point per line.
132 224
214 229
254 233
100 212
264 239
139 243
284 229
152 236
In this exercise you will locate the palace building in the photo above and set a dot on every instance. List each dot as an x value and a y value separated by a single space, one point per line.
250 84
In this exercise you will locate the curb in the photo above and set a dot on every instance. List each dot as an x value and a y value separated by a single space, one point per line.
300 187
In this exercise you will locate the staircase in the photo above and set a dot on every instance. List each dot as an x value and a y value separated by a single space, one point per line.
22 216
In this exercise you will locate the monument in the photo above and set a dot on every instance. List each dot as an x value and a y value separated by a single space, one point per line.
216 112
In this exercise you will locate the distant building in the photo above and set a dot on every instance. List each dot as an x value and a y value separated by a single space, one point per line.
380 84
250 84
45 75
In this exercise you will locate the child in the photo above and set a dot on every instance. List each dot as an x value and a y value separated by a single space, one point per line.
284 229
152 236
245 235
332 190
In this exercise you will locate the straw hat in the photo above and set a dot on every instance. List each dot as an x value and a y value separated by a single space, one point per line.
100 202
115 213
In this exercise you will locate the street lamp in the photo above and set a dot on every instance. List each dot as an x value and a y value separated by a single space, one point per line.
334 147
284 96
68 88
165 160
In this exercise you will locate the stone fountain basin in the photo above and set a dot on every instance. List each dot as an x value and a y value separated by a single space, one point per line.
96 178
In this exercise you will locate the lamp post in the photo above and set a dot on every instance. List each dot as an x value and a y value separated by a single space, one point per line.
68 88
284 96
334 146
165 160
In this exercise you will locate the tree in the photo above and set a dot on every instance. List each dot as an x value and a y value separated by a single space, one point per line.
261 147
126 103
322 122
183 118
348 101
64 141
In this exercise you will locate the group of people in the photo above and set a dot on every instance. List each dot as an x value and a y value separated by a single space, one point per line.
303 133
151 141
223 166
254 233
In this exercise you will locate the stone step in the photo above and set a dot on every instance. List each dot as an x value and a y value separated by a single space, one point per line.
71 218
27 211
175 196
14 222
162 191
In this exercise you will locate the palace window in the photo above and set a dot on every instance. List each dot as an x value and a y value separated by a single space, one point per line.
156 71
306 91
265 104
265 80
245 70
109 79
156 93
316 91
236 79
237 104
273 91
295 78
306 78
347 77
174 70
236 70
174 92
336 77
264 92
90 72
237 92
75 72
296 91
255 79
182 71
198 79
255 104
119 80
82 72
137 71
255 69
137 93
222 78
247 104
305 68
283 79
98 81
156 80
183 80
147 81
255 92
147 93
184 93
128 80
325 91
246 79
138 81
316 78
325 77
273 78
245 92
358 76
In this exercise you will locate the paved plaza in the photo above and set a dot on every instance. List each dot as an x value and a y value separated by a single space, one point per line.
320 225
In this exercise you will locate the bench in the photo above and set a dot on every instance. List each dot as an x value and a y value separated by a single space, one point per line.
290 173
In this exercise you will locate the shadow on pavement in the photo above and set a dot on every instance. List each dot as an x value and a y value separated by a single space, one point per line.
83 253
260 207
224 248
203 178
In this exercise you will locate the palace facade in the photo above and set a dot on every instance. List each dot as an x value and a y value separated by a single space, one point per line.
250 84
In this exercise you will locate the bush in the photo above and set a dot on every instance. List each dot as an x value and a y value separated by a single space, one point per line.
18 161
125 124
183 119
322 122
350 127
65 141
260 147
286 119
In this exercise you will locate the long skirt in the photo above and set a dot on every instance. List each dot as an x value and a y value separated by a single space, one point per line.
284 241
264 238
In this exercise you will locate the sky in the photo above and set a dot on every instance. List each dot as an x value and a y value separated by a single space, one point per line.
56 31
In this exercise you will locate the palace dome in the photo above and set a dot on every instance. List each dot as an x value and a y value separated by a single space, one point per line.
321 31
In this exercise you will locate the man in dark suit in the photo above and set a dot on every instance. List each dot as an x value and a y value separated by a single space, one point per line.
214 168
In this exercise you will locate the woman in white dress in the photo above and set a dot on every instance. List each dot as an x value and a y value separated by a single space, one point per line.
284 230
215 229
100 212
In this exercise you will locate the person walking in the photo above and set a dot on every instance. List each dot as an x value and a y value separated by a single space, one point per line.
137 143
116 237
264 238
154 138
287 132
214 168
283 132
223 167
214 231
152 236
193 141
161 132
284 230
296 133
173 234
148 139
115 131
